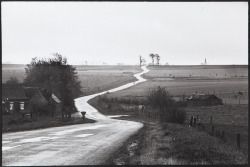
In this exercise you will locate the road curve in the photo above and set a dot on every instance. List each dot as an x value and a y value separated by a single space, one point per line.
84 144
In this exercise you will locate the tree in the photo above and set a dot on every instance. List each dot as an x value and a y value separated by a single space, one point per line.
152 56
60 77
12 81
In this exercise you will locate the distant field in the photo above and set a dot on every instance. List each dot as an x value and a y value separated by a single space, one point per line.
99 78
224 87
93 78
193 72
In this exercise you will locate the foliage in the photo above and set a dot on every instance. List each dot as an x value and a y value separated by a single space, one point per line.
169 109
159 97
12 81
60 77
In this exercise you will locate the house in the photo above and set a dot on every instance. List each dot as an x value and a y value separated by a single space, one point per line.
14 99
203 100
37 101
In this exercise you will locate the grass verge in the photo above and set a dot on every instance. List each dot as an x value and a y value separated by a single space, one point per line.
21 124
162 143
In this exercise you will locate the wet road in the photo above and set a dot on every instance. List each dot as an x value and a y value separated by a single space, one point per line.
84 144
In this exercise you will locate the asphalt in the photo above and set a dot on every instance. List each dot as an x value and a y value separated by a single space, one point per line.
84 144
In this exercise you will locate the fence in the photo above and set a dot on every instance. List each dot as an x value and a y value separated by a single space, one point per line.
235 139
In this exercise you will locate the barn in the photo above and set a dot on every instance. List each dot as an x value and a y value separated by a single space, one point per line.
14 99
203 100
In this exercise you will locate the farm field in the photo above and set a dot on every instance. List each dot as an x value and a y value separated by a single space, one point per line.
182 83
198 72
232 119
93 78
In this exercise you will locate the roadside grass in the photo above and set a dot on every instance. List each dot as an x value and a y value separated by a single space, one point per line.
173 144
15 123
163 143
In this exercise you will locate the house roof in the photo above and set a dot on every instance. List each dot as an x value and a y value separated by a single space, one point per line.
202 97
55 98
14 91
35 95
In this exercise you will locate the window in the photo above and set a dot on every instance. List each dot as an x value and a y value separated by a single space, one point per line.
11 106
22 105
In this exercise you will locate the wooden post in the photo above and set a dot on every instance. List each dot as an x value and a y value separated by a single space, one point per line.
238 140
36 112
223 134
52 109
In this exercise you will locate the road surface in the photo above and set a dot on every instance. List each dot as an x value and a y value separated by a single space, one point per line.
84 144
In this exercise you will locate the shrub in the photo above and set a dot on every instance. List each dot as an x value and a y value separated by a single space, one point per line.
159 97
12 81
178 116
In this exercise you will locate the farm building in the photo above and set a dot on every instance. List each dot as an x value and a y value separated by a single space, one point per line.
203 100
14 99
37 100
56 104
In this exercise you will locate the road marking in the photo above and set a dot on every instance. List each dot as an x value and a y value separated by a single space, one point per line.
8 148
84 135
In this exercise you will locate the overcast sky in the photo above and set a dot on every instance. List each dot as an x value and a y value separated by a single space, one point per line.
182 33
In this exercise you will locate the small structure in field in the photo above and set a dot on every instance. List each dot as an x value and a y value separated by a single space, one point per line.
203 100
14 99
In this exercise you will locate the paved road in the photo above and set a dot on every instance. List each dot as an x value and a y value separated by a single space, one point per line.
84 144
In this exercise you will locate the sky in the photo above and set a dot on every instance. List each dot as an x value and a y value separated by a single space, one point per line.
181 33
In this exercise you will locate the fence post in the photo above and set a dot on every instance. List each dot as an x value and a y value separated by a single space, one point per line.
212 130
223 134
238 140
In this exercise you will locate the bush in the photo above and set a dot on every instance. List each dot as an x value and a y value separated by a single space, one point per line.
12 81
178 116
159 97
169 109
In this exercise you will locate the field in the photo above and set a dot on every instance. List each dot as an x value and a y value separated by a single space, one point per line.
232 119
180 82
93 78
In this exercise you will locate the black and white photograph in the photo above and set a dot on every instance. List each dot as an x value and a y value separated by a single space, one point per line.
124 83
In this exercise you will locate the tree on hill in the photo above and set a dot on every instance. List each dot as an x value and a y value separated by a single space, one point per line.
12 81
60 77
152 57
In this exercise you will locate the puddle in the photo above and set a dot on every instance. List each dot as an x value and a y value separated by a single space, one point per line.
77 129
8 148
132 148
117 116
84 135
37 139
5 142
